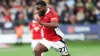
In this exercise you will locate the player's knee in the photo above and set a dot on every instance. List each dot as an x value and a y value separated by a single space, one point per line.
37 50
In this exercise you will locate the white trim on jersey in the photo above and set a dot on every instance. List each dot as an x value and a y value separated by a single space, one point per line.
59 32
47 10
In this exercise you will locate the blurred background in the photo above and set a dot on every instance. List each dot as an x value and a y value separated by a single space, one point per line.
79 20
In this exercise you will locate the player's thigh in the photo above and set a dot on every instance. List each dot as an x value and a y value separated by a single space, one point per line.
40 48
34 43
60 47
46 43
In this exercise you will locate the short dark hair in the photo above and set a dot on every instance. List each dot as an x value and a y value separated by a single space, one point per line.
43 3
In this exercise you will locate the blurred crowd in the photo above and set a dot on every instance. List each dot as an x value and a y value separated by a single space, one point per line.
20 12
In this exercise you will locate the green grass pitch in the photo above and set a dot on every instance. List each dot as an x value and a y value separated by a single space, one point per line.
76 48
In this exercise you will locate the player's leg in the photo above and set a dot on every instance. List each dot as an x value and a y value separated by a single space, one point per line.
33 45
60 47
20 41
43 46
39 49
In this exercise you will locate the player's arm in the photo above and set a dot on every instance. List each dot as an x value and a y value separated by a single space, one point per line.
53 22
30 29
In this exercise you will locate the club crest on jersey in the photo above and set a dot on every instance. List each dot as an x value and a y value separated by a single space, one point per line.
54 18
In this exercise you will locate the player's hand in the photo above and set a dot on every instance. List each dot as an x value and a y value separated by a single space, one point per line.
37 18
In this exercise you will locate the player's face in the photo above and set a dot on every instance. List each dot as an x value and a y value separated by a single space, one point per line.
41 10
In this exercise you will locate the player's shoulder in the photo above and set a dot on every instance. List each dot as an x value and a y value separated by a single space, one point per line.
53 12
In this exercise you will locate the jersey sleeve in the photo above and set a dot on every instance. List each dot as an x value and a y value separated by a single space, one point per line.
30 26
54 17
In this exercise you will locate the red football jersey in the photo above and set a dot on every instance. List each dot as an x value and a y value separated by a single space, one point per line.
50 33
36 30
